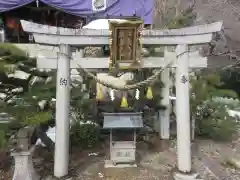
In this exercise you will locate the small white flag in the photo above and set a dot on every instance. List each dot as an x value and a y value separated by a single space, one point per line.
112 95
137 94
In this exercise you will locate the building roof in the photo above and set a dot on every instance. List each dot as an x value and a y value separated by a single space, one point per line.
93 8
122 120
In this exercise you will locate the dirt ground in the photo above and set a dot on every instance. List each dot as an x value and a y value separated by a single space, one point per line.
155 162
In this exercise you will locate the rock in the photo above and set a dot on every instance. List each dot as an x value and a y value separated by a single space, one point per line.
235 162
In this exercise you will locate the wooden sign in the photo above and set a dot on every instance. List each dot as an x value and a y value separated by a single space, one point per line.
125 44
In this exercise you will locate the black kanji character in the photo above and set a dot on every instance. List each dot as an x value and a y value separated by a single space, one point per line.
184 79
63 82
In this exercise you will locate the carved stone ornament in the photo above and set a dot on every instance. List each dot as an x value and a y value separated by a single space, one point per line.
125 44
99 5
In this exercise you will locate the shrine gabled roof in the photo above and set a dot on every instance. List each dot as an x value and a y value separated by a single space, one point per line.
93 8
122 120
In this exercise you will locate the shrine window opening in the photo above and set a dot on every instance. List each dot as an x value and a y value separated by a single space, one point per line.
122 135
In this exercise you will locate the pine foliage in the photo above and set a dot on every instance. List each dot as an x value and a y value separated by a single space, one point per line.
20 96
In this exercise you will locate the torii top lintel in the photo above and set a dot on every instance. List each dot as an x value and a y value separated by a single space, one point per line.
83 37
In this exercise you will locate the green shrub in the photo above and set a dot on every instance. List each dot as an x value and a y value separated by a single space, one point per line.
84 135
37 118
213 121
3 140
5 134
11 49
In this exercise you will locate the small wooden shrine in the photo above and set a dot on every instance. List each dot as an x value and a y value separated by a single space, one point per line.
125 44
122 138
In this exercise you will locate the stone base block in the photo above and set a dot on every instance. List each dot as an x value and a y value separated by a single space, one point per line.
182 176
110 164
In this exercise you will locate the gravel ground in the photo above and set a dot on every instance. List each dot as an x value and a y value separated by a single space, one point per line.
158 164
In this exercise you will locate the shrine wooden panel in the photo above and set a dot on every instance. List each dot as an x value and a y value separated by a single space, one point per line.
125 44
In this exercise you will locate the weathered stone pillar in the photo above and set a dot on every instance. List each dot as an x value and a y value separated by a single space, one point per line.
24 169
164 115
61 157
184 162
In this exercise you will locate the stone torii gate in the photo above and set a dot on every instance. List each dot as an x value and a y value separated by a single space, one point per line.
162 125
64 38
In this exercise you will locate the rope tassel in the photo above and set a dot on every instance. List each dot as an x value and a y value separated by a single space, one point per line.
124 103
149 94
99 95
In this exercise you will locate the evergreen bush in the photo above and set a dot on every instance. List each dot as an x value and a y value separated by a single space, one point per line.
84 135
212 118
213 121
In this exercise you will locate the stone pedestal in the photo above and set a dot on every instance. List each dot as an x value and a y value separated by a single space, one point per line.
24 169
182 176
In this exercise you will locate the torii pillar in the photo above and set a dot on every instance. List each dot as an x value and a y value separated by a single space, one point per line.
183 116
61 158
